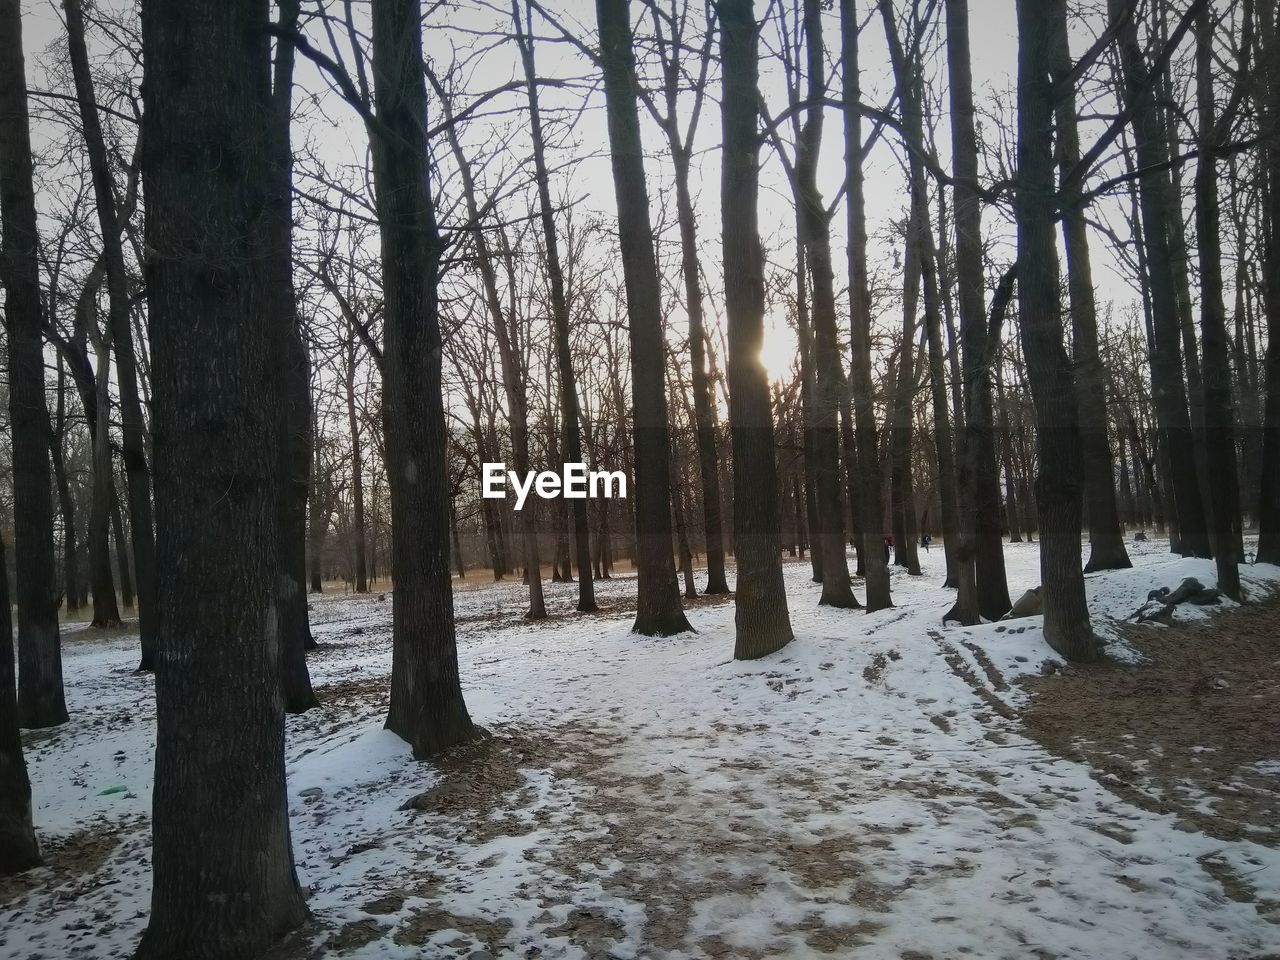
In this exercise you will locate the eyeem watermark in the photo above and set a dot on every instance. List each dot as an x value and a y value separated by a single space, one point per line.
574 482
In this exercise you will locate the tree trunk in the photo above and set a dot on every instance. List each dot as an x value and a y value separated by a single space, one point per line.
903 489
708 460
106 612
66 503
659 612
978 477
1159 207
122 550
1269 489
1219 428
1106 538
133 424
815 236
357 471
295 454
18 847
427 708
40 697
1066 615
761 619
317 513
869 501
224 883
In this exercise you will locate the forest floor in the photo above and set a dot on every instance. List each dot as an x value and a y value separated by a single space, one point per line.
885 786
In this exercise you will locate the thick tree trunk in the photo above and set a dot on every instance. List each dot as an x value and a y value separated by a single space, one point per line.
133 425
659 612
224 884
18 847
427 708
761 619
869 502
1269 489
1066 615
40 697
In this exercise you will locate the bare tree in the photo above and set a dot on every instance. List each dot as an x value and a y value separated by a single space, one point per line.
40 697
224 882
762 622
659 612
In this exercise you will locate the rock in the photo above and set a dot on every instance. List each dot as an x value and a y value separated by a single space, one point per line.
1158 594
1028 605
1049 667
311 793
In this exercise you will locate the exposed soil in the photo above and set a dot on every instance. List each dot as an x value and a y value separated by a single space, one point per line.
1184 731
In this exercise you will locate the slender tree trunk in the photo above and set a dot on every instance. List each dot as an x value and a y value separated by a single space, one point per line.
295 454
133 432
66 503
427 708
1066 615
815 236
804 336
659 612
1159 207
40 696
761 619
903 488
869 501
1106 538
122 551
1219 427
317 513
357 472
1010 481
708 459
224 883
106 612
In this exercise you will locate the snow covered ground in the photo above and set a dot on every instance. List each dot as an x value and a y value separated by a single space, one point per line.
869 789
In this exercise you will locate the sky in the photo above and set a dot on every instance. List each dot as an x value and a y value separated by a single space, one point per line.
459 32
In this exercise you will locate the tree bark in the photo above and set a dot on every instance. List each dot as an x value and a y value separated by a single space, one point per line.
224 884
1106 537
357 472
570 412
762 623
1219 428
123 566
978 478
66 503
659 612
869 502
1159 207
815 236
427 708
133 424
1066 615
19 849
1269 489
40 697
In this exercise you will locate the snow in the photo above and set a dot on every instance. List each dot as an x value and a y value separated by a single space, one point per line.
867 790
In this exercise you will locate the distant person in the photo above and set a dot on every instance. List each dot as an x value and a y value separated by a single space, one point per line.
925 540
888 548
